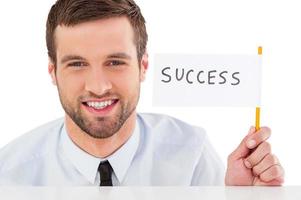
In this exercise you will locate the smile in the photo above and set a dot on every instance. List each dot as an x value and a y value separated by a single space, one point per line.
100 104
100 108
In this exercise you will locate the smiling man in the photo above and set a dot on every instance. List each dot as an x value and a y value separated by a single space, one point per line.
97 60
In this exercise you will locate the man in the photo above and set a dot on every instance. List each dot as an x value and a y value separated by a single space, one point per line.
97 60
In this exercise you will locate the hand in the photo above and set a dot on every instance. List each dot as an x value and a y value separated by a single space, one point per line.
252 162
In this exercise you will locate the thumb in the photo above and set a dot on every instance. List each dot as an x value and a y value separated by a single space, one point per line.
242 150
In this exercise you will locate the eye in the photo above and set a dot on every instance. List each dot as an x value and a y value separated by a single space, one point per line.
77 64
115 63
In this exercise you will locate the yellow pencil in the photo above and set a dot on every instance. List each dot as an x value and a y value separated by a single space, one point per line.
257 117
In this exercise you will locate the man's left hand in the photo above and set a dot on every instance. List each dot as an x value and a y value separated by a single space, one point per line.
252 163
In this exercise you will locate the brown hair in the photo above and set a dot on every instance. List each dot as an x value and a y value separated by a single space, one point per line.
73 12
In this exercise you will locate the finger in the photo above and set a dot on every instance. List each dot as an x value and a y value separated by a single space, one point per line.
257 138
268 161
242 150
274 172
260 152
276 182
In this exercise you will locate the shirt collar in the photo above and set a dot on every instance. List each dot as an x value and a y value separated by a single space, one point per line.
87 164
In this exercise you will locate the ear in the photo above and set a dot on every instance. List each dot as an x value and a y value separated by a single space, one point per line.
51 71
143 66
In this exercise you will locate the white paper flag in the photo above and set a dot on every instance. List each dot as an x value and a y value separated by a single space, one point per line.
207 80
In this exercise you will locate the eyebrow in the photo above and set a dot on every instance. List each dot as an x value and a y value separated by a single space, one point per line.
71 57
114 55
120 55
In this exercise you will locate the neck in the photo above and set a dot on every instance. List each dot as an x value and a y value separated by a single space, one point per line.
100 147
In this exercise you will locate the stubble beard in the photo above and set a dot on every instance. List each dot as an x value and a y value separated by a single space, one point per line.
100 127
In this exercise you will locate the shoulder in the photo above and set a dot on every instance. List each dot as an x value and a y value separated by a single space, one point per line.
172 130
172 141
30 145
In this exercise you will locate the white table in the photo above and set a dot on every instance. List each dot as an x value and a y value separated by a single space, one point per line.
151 193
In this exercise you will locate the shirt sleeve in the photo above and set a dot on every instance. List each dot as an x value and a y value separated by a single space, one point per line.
210 170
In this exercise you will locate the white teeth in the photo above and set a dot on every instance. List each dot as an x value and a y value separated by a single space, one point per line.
100 105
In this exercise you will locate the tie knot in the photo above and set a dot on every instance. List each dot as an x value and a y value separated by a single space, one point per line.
105 171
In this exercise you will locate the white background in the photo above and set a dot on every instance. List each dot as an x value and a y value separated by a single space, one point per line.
28 98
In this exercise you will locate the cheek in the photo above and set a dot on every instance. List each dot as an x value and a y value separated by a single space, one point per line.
126 85
70 86
129 81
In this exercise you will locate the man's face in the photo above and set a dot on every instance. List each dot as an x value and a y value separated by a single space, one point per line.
97 74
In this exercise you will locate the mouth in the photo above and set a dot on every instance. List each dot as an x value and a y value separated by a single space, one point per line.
97 106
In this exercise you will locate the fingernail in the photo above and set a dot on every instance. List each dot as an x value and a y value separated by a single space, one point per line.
251 144
247 164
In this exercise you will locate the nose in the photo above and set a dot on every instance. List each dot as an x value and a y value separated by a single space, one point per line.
97 81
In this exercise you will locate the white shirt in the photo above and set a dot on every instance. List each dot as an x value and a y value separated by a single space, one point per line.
161 151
